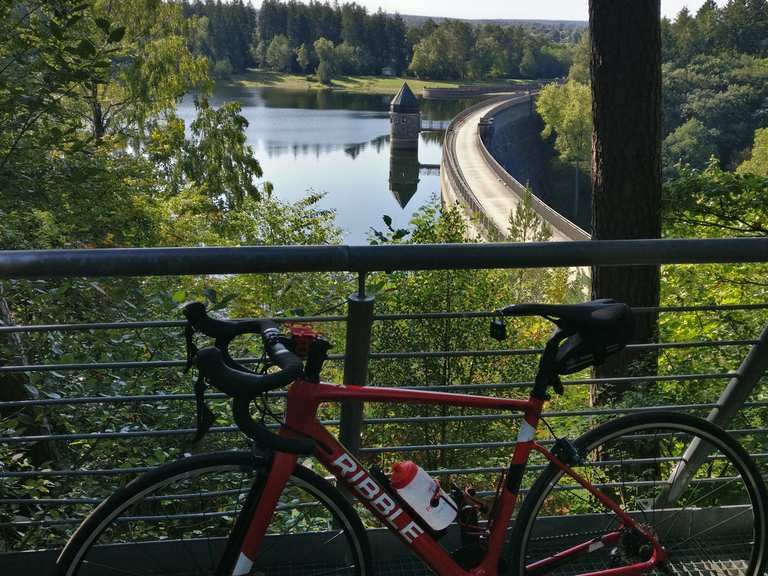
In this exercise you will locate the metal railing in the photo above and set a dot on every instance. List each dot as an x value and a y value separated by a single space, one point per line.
552 217
361 322
451 171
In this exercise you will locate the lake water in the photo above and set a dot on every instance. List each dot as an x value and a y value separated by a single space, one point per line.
338 143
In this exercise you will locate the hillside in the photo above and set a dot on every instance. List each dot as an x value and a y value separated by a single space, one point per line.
412 20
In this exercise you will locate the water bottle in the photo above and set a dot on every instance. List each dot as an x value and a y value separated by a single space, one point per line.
423 494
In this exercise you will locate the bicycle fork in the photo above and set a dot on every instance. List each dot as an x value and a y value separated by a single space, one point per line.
245 539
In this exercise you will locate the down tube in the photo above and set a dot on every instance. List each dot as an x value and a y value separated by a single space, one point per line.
356 479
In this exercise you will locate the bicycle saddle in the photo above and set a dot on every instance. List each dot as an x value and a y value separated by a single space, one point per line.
602 314
592 330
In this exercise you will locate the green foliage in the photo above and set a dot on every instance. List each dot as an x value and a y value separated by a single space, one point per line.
714 202
455 49
525 225
215 161
371 41
48 55
324 49
348 59
691 144
222 69
279 53
222 31
716 72
325 72
758 163
738 26
567 112
326 55
529 67
302 57
579 71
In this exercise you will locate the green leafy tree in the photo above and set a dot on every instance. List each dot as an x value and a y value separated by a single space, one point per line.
46 60
758 163
579 71
279 53
348 58
324 49
567 112
529 66
151 66
690 144
325 72
326 54
715 202
222 69
353 21
302 57
525 225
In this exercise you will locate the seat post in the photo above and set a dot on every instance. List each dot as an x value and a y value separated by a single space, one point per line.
547 372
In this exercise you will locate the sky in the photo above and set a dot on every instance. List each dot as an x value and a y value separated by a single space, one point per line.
513 9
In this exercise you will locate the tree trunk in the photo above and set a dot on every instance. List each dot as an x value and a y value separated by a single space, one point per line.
625 68
97 115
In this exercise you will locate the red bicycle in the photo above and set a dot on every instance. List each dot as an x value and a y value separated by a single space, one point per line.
650 492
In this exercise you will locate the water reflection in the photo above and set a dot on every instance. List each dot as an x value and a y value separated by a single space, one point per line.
338 143
379 144
403 174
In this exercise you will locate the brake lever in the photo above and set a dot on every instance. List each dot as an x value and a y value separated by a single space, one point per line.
189 332
205 417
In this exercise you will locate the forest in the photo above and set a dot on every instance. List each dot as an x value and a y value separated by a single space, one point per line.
342 39
715 90
92 155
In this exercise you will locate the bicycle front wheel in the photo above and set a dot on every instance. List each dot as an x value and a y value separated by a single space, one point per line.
175 520
712 521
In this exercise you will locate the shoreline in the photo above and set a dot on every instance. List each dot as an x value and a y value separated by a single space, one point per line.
353 84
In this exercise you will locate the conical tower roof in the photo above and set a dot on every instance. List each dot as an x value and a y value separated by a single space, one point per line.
405 101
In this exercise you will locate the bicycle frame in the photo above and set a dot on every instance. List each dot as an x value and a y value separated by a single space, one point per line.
304 398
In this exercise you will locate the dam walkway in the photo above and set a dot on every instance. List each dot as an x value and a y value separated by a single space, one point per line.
471 177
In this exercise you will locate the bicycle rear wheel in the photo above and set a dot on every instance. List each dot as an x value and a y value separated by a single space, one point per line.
175 520
715 524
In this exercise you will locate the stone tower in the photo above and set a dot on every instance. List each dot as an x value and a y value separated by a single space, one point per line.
404 119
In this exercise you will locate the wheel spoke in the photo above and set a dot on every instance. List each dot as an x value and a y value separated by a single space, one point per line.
168 513
635 456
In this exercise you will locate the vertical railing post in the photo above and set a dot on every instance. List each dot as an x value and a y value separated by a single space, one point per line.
730 402
358 347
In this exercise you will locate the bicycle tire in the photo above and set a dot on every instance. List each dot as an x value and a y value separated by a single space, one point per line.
724 503
153 524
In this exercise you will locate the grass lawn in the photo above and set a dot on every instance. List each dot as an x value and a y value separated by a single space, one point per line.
364 84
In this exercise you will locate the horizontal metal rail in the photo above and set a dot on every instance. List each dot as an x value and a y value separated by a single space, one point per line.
90 326
251 260
127 471
129 434
135 364
449 387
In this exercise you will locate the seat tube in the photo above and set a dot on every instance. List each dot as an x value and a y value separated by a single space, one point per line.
282 467
512 480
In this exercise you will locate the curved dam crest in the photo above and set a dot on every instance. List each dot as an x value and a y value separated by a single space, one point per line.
473 178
